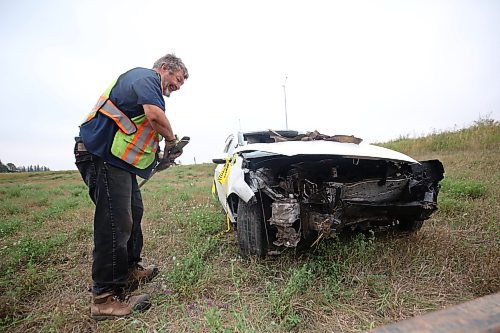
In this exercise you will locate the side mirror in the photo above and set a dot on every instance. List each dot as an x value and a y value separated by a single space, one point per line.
219 159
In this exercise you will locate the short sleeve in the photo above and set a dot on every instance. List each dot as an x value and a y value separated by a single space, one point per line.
148 91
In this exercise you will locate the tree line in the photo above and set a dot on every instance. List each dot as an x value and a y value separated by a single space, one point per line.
10 167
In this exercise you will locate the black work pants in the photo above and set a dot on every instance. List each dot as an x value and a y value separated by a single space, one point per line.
118 237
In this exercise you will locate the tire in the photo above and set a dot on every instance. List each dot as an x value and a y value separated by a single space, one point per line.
251 229
410 225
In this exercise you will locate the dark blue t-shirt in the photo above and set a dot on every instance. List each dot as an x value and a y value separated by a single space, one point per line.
134 88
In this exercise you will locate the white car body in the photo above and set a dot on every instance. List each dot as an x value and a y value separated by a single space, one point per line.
236 184
314 183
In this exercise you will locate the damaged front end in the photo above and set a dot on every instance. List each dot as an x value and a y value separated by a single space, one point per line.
309 196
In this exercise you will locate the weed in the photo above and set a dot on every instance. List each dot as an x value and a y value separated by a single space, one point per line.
184 196
21 190
451 206
79 191
331 272
9 208
9 226
214 320
241 321
13 192
280 300
56 210
33 282
189 270
362 247
165 190
291 320
83 232
56 192
42 201
30 250
462 189
207 221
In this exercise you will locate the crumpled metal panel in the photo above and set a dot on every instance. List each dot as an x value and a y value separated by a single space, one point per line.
323 223
372 190
263 179
287 236
284 214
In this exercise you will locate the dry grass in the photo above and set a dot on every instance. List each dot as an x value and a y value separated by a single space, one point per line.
345 285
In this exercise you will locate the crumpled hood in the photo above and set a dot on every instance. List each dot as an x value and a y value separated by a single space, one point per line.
321 147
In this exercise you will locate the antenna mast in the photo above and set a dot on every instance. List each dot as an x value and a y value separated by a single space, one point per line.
286 115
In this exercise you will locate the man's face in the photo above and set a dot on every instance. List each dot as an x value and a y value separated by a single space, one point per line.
171 80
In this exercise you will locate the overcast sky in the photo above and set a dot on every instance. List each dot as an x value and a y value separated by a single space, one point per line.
374 69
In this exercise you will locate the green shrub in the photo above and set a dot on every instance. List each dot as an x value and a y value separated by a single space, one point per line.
462 189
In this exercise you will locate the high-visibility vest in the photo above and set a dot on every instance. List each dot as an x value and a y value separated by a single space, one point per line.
135 141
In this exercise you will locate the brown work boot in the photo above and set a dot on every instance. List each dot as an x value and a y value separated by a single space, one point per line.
139 274
112 305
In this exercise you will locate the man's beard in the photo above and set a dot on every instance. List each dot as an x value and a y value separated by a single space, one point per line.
166 92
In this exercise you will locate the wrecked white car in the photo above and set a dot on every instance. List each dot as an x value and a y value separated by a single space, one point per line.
282 188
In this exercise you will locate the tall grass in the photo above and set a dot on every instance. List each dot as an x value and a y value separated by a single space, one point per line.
484 134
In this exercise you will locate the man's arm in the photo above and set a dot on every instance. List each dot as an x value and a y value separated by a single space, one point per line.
159 121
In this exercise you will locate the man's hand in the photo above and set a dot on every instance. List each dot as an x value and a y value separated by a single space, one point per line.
169 144
167 159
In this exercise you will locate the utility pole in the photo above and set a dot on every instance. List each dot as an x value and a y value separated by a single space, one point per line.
286 115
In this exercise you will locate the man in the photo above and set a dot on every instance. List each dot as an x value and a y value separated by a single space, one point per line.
119 141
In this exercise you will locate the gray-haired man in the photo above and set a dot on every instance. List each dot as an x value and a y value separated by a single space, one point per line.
118 142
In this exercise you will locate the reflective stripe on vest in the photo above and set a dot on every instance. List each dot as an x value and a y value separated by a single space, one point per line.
106 107
139 149
144 137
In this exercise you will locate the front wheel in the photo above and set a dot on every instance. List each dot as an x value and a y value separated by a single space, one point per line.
252 237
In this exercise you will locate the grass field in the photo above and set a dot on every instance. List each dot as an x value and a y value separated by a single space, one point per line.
343 285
